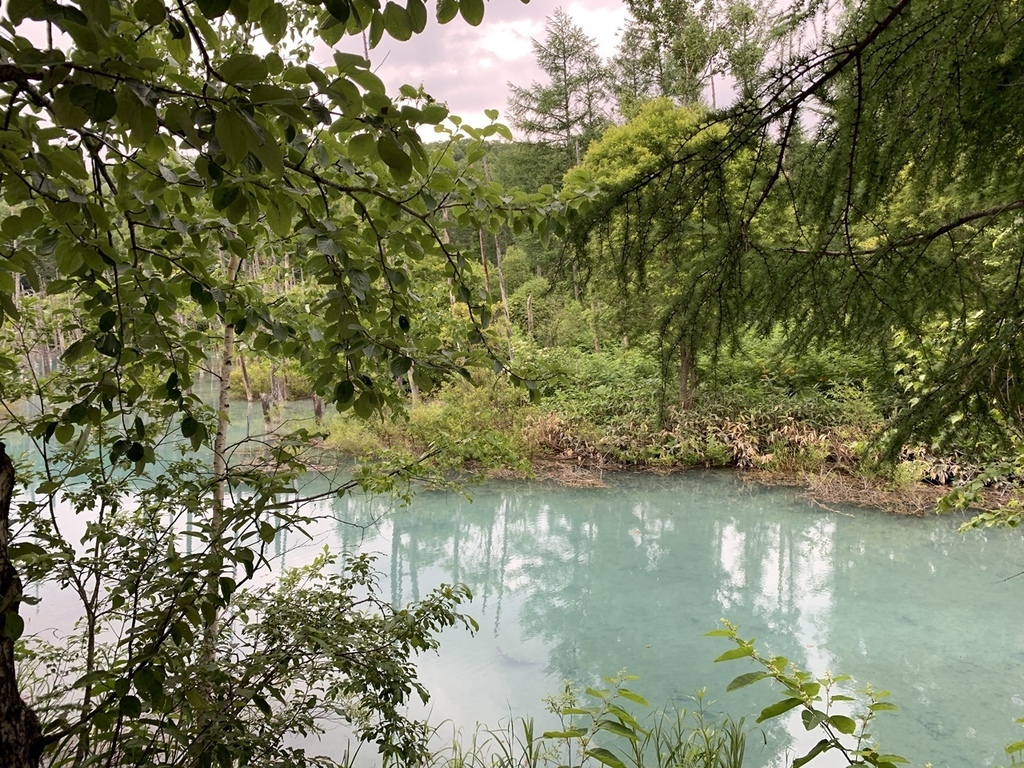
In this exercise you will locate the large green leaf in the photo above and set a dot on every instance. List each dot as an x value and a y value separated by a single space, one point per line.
213 9
739 652
268 152
472 11
100 105
843 724
447 10
745 680
244 68
606 757
778 708
417 15
339 9
394 156
141 119
822 746
149 11
233 135
397 21
274 23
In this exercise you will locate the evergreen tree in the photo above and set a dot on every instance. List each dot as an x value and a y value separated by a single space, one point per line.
887 137
569 110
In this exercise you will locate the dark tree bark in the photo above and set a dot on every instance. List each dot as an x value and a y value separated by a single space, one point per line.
687 374
21 741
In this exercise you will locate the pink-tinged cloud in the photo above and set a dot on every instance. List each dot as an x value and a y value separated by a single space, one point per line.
469 67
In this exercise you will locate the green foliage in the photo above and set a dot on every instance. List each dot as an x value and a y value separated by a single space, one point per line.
970 494
790 209
1016 749
517 269
619 389
476 424
566 112
611 406
600 728
185 183
260 372
816 698
159 687
676 50
589 733
769 360
557 322
656 241
349 435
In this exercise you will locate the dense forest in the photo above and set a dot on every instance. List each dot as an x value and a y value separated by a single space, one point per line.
782 240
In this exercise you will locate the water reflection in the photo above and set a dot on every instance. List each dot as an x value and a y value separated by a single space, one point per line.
576 584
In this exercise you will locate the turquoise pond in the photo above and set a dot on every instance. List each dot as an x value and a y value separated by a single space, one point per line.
576 584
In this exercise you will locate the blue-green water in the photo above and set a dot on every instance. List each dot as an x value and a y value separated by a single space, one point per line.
577 584
581 583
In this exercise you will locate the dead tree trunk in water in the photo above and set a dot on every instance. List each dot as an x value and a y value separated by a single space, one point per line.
268 419
21 742
249 395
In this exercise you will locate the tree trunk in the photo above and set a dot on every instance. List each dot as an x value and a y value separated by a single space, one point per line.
414 389
504 297
687 374
483 263
529 315
283 390
501 275
249 395
220 462
21 742
268 421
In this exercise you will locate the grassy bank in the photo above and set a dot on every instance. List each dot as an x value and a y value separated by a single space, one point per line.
593 413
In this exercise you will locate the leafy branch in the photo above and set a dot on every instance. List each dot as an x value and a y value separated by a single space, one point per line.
815 697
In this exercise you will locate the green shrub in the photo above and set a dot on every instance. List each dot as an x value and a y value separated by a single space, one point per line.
558 321
299 386
477 424
349 435
771 360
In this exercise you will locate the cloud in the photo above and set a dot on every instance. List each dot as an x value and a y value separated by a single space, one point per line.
469 67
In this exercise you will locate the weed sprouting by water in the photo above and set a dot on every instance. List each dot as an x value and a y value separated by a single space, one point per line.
597 728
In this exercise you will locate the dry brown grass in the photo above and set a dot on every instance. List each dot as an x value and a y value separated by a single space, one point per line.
832 489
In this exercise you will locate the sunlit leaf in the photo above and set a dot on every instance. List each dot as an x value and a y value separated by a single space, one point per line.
778 708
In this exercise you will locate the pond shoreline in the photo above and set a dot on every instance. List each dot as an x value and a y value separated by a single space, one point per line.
828 488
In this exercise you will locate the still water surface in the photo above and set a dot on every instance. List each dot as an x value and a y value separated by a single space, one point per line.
577 584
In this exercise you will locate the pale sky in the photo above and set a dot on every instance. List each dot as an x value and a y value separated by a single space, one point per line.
469 67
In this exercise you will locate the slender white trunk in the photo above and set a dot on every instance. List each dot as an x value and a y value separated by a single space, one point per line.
220 463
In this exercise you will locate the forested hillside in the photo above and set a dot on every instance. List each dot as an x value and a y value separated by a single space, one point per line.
784 240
